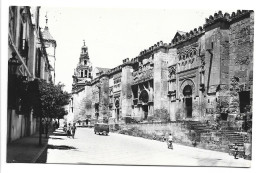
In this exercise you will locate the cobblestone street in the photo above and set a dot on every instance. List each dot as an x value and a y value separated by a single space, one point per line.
88 148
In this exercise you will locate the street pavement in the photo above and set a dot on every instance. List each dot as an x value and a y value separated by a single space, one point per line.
118 149
26 149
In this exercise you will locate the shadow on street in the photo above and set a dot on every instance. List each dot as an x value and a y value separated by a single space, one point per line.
56 138
61 147
43 157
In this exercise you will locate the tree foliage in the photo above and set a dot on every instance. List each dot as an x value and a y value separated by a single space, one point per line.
49 99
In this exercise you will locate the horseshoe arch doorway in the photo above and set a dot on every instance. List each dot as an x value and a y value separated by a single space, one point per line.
187 92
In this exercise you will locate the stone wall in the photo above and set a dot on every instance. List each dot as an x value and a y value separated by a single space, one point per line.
160 80
104 97
241 59
126 91
88 101
179 132
79 105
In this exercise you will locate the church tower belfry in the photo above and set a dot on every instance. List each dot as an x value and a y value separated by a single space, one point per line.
84 52
83 72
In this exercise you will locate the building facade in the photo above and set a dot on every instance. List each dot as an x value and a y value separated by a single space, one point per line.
27 60
202 73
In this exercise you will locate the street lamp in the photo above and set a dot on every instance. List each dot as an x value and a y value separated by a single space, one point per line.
13 64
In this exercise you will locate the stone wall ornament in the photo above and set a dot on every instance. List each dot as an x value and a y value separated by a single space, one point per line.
172 71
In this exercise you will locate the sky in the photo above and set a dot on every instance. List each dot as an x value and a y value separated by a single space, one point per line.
113 34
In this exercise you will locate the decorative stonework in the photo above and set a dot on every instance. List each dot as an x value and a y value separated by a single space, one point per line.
172 71
187 52
142 76
185 83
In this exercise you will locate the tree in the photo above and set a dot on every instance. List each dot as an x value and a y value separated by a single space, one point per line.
48 100
53 99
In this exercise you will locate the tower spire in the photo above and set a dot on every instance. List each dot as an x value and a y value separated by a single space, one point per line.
84 42
46 18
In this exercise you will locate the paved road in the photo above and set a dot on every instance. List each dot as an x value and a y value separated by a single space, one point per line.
88 148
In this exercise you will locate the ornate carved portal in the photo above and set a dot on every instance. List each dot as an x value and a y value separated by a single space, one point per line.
186 83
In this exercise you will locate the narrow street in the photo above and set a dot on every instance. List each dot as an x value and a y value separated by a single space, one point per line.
88 148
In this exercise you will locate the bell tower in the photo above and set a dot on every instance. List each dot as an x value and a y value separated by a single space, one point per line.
83 71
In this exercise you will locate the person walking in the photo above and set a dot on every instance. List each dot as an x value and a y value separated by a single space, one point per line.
73 130
170 140
69 131
236 151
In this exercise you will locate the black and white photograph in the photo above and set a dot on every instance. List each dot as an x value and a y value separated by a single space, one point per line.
166 86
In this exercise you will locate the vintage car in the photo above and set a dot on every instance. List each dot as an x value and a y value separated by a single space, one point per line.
101 128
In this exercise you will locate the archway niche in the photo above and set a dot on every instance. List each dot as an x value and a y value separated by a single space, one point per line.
144 97
187 93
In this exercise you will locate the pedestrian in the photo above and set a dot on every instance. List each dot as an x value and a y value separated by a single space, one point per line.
170 140
55 125
69 131
236 151
73 130
65 128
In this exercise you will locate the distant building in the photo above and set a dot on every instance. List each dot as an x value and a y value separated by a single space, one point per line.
28 60
50 47
202 73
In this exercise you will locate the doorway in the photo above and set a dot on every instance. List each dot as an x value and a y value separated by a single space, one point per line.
187 92
188 105
117 114
244 100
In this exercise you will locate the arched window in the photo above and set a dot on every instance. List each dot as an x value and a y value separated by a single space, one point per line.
81 73
86 73
85 62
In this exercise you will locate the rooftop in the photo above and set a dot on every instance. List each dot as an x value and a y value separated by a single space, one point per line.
47 36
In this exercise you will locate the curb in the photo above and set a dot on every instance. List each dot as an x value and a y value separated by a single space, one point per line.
39 154
41 151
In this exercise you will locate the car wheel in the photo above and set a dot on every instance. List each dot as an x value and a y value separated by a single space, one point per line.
105 133
95 132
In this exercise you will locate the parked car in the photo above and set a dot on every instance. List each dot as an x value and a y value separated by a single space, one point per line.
101 128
